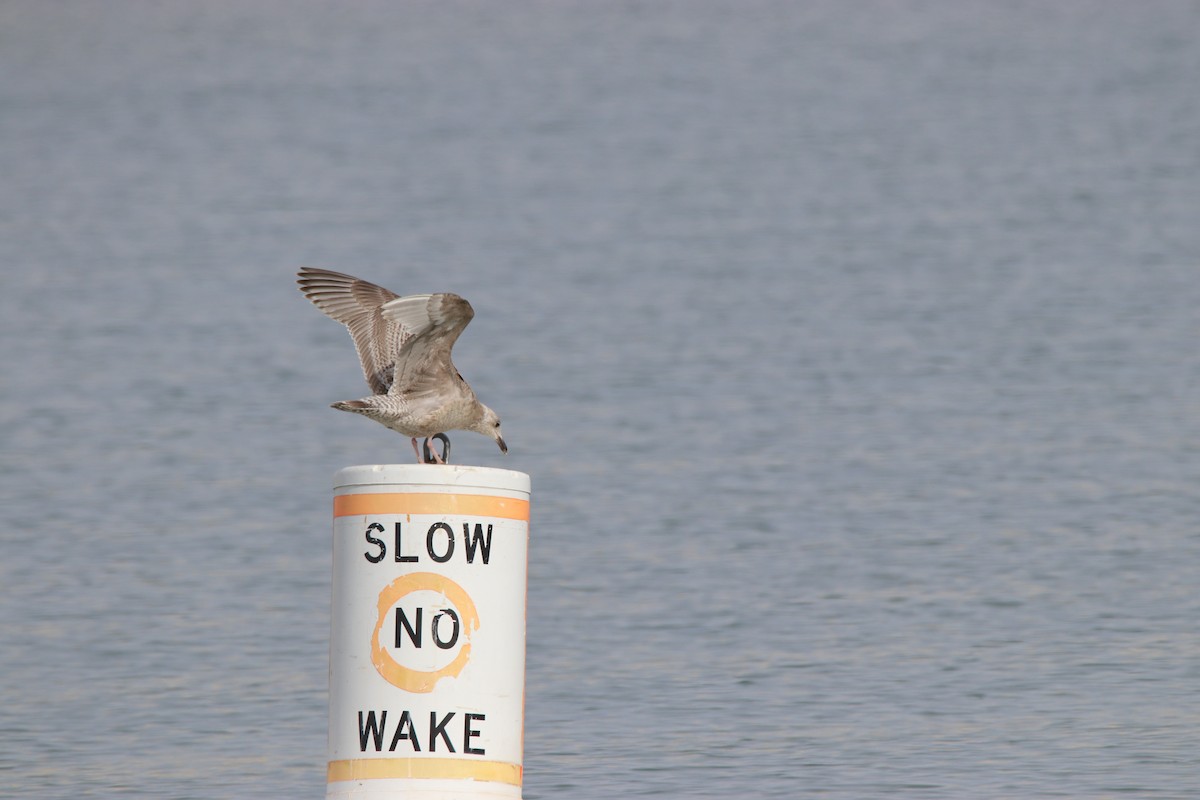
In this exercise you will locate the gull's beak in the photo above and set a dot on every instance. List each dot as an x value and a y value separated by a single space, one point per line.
503 446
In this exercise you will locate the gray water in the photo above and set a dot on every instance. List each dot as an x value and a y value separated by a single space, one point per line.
852 350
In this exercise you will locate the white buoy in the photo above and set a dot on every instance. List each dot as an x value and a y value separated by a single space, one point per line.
427 643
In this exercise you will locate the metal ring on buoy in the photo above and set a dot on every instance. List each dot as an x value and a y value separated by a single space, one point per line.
431 455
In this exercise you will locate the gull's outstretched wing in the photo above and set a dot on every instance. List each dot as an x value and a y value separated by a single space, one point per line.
433 323
358 304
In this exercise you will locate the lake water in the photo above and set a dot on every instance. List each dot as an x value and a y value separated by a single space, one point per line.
851 348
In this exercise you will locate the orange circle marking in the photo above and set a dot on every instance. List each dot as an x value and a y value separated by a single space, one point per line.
395 673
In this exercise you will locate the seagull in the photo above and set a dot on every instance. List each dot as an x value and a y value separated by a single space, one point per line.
404 346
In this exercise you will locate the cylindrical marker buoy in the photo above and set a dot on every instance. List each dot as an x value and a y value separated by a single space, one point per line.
427 643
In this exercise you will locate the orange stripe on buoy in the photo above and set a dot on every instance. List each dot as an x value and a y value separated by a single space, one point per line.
468 505
362 769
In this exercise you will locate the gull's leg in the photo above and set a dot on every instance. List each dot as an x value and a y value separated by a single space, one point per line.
417 451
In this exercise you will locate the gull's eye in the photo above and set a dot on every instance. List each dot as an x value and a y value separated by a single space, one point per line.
497 425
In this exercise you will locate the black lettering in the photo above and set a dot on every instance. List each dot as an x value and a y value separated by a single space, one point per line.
375 559
400 558
371 729
469 733
446 645
437 729
411 735
414 631
478 540
440 526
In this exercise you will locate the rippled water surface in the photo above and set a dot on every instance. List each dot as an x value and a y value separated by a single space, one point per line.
852 350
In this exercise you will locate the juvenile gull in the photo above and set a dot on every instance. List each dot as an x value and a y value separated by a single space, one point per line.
404 346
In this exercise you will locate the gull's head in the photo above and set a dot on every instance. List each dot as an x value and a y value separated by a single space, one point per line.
489 425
